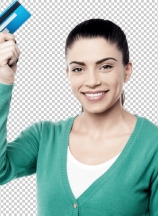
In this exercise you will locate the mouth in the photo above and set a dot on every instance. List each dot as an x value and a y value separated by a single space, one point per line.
95 97
95 93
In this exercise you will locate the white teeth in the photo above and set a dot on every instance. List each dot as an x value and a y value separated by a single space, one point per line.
95 95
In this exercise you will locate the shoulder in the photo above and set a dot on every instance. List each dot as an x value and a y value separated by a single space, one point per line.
146 141
59 125
148 134
149 127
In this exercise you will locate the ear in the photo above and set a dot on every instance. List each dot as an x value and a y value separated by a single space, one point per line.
128 71
67 72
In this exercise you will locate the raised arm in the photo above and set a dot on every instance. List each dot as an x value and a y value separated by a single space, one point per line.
17 158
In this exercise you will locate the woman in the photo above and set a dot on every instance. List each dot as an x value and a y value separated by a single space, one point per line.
101 162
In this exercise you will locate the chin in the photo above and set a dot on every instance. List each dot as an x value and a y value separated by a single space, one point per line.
95 110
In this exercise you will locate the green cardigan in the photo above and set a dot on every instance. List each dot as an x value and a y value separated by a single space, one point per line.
128 188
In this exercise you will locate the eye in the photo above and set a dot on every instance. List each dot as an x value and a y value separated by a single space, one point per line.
76 68
107 66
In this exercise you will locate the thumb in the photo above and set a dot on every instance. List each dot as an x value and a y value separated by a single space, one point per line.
14 68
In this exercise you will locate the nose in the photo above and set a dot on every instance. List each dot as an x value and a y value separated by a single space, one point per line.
92 78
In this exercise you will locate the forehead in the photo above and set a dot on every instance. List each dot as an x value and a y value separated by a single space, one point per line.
92 49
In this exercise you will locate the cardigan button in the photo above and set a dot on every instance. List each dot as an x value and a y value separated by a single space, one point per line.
75 205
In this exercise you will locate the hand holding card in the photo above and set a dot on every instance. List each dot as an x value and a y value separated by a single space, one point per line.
10 20
9 53
13 17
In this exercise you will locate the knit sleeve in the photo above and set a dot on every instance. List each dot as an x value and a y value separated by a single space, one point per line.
153 204
17 158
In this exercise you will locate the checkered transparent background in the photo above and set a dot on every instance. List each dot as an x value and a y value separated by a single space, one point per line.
42 90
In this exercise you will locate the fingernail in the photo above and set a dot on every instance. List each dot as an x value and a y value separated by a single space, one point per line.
15 41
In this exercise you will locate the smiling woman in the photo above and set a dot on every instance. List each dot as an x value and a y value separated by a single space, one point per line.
103 161
99 28
98 65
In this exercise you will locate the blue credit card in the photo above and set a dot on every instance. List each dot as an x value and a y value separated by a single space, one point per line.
13 17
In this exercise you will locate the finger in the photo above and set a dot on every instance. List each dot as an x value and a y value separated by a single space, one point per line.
5 36
10 48
7 58
14 63
17 48
14 68
9 43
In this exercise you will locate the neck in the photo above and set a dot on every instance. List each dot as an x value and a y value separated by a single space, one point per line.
96 124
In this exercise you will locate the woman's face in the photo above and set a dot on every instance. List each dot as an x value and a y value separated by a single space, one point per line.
89 76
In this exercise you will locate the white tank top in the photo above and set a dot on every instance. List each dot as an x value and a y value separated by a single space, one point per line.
81 176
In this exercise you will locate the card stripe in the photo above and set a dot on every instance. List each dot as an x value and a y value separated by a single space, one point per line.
9 11
8 21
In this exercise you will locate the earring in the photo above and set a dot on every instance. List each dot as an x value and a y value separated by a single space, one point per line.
125 77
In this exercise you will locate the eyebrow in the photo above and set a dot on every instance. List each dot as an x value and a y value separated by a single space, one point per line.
98 62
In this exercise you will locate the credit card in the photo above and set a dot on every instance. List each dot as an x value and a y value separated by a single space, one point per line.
13 17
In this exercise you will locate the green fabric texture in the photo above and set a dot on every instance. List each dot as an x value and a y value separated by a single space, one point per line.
128 188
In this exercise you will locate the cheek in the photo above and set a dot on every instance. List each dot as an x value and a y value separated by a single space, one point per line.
74 83
116 84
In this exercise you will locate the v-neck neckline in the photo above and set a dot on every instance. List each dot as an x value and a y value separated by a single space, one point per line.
98 181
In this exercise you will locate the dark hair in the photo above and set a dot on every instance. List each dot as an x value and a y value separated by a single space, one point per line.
103 29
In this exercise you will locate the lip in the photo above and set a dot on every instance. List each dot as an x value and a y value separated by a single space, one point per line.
95 99
93 92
